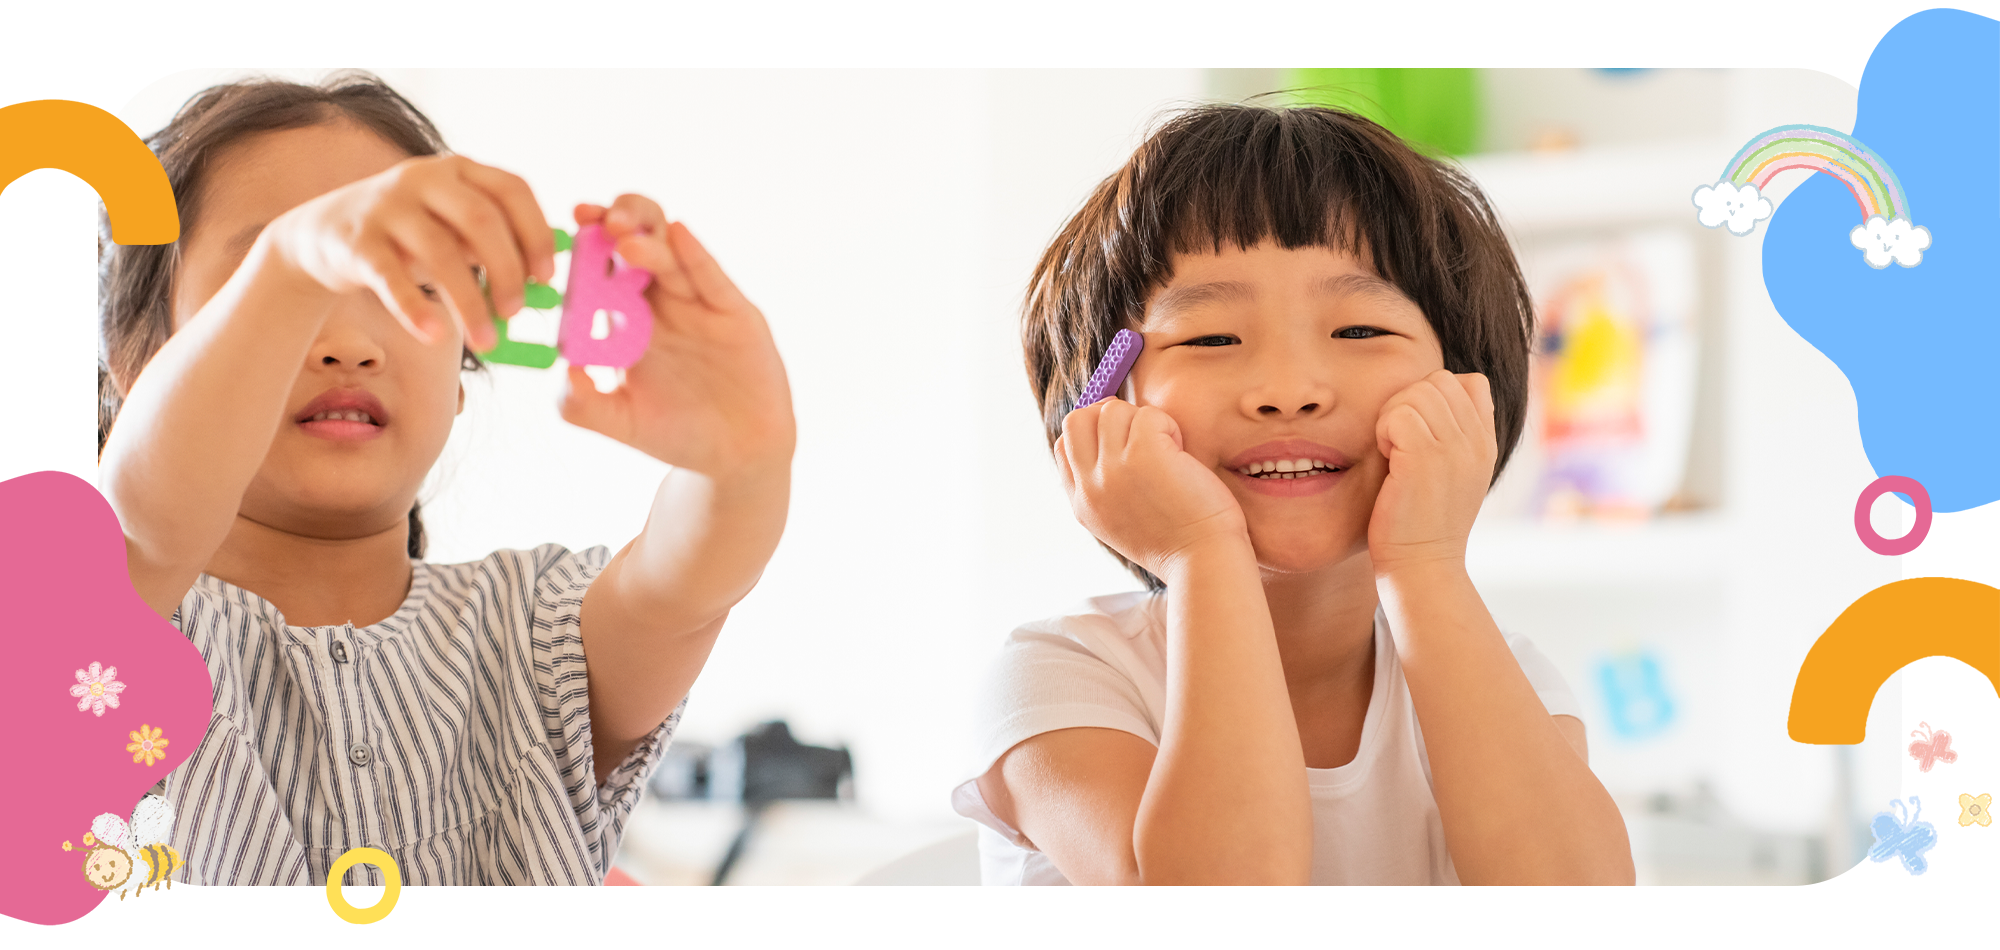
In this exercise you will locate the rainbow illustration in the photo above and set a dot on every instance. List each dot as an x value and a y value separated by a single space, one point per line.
1812 147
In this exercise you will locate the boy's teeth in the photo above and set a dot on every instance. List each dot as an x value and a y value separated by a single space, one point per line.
1286 468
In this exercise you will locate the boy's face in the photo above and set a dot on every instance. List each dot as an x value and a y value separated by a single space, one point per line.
1267 358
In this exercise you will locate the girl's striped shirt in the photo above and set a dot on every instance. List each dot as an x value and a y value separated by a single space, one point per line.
455 735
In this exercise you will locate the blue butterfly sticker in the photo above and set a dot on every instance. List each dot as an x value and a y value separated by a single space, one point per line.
1901 835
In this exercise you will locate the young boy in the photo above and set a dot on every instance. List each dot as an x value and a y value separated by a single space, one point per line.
1310 690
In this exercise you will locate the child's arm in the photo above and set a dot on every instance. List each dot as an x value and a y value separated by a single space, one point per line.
198 422
1518 802
709 398
1224 799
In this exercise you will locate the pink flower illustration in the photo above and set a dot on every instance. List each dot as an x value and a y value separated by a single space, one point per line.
97 688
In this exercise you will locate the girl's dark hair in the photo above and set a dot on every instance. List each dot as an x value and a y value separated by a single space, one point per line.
135 283
1242 174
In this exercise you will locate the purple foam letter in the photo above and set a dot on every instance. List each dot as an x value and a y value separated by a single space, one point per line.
1111 371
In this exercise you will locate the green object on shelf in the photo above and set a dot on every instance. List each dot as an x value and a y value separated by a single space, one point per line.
1436 110
516 353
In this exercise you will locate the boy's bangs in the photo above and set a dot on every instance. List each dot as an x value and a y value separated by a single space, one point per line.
1265 176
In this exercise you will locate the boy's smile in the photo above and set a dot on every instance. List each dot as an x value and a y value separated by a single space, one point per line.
1289 468
1275 364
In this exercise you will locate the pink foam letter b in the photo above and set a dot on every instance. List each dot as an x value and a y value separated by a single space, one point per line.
598 281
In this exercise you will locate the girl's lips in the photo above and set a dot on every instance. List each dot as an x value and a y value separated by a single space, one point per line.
342 430
347 414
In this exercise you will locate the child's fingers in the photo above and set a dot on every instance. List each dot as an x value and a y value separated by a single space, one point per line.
482 226
1062 465
1480 390
384 271
634 214
584 406
435 254
524 216
651 253
1401 426
1114 428
1464 413
586 215
709 282
1148 421
1079 439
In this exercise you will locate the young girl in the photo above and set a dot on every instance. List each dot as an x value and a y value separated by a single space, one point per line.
281 380
1335 362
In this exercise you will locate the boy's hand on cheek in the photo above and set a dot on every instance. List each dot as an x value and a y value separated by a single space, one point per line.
1437 435
1132 486
710 394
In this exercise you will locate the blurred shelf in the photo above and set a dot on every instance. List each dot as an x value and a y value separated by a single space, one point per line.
1676 548
1537 191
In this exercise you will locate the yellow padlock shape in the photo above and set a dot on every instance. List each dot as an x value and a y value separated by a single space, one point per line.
365 905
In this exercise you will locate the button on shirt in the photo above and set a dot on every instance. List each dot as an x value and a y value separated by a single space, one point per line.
455 735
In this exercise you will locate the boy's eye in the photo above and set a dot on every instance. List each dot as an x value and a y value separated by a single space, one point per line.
1214 339
1357 333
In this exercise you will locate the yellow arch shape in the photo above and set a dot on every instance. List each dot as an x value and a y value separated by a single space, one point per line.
1889 628
93 145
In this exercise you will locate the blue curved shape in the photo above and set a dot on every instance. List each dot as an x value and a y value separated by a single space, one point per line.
1919 345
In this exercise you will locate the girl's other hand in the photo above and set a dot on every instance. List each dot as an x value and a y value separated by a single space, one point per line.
420 228
1438 437
710 393
1132 485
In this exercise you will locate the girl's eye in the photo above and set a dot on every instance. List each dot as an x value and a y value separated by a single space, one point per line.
1216 339
1357 333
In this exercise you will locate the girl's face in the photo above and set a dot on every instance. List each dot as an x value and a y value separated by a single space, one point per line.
1276 364
372 406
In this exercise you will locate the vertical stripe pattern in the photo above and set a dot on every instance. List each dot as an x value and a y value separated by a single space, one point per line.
455 735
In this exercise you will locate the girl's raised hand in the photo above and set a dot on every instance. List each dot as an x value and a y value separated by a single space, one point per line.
1132 485
414 234
1438 437
710 393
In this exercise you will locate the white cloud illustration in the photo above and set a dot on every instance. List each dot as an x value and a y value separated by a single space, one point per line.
1725 204
1883 240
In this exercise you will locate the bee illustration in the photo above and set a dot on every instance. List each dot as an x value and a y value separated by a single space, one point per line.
126 858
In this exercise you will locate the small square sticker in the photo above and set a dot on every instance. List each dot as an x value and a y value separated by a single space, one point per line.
1935 747
1975 809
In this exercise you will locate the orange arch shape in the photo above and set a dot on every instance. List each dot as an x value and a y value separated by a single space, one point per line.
93 145
1889 628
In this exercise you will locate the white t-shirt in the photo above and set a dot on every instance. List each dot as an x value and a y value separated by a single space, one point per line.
1374 819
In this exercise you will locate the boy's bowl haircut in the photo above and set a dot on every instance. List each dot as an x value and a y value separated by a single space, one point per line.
1238 175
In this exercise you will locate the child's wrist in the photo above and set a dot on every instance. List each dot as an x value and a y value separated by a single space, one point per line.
1205 556
273 271
1422 569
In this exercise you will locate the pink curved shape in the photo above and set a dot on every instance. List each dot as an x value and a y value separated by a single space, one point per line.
1863 196
70 603
1866 529
598 280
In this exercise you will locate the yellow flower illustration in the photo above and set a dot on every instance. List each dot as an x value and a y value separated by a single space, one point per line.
146 746
1975 809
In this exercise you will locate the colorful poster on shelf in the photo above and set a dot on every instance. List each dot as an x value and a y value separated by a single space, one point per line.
1615 373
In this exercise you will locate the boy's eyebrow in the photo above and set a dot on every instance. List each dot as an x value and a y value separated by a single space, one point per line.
1363 285
1176 299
